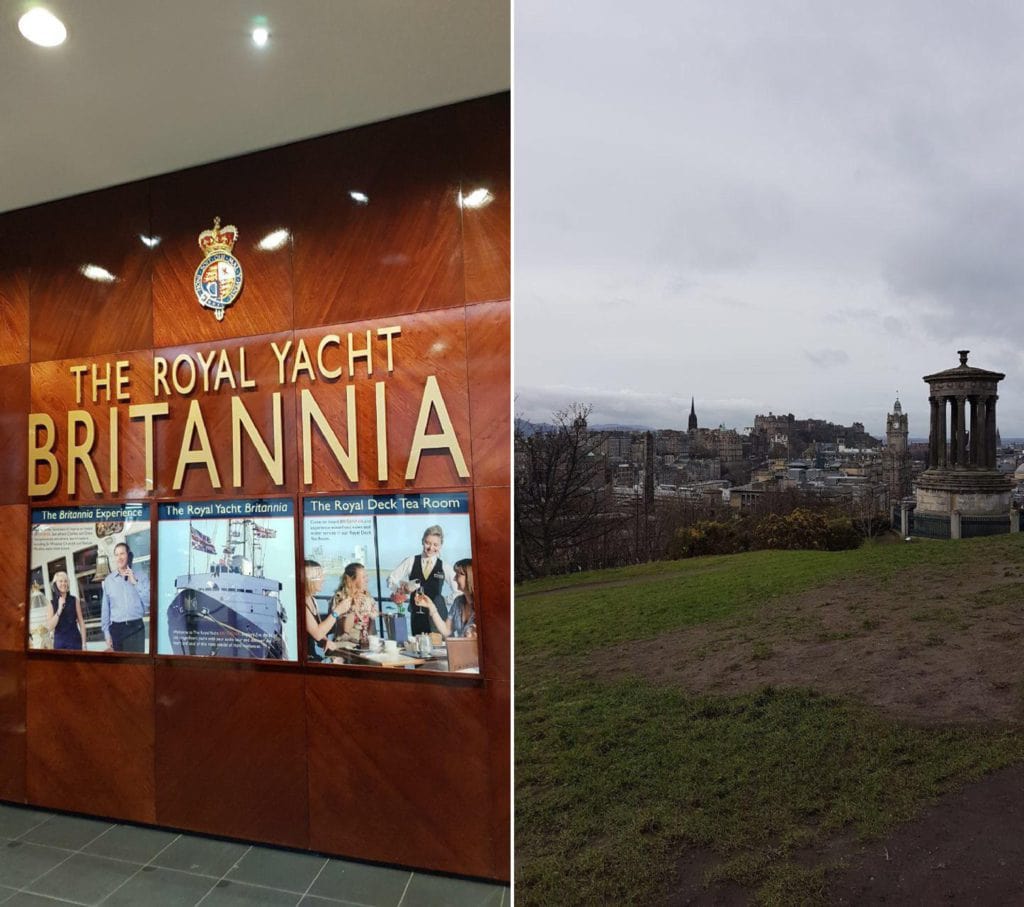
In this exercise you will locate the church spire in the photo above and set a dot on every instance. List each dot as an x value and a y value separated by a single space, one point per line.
692 423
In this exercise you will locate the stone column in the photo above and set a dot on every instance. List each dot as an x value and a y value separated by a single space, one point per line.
970 420
981 427
976 452
940 435
933 434
951 442
990 431
906 507
961 434
954 524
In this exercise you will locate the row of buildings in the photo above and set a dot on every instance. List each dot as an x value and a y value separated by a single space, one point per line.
778 453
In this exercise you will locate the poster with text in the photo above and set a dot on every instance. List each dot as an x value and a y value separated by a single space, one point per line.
227 579
389 581
89 578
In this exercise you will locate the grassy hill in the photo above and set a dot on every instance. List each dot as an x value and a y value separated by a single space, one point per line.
725 720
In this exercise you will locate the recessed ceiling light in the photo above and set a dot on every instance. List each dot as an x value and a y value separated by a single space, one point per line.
273 241
360 198
95 272
42 27
150 241
260 36
476 199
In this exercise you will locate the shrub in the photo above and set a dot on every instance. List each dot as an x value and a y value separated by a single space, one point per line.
706 537
805 529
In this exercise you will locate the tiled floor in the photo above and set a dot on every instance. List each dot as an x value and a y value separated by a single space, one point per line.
48 858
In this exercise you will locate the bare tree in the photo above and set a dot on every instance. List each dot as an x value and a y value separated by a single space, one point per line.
560 492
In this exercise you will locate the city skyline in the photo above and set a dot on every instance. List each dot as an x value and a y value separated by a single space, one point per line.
797 208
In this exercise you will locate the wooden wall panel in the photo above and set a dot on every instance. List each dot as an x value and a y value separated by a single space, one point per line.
12 726
215 406
14 406
401 250
13 592
399 768
249 193
90 736
485 147
431 344
491 574
54 393
14 281
499 727
489 338
231 751
72 314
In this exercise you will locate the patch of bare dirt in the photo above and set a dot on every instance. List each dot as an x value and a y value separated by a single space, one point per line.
928 646
968 849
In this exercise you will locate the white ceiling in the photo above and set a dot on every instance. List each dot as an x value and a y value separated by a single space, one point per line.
142 87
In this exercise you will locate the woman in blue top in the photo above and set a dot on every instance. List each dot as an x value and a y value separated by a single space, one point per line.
66 619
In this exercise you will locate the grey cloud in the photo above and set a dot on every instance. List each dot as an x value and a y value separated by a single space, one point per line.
827 358
630 407
967 264
895 326
848 175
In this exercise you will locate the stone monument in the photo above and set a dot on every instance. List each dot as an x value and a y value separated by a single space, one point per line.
962 493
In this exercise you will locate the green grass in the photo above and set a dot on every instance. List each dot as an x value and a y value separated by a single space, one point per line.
616 781
682 593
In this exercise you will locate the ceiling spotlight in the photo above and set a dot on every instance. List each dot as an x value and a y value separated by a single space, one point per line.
150 242
360 198
95 272
260 36
476 199
42 27
274 241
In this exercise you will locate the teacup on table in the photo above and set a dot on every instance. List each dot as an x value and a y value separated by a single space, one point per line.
376 643
391 646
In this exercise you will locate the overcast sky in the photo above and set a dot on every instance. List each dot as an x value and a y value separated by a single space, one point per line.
796 207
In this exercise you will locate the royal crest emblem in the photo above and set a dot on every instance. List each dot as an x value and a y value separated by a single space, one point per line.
218 278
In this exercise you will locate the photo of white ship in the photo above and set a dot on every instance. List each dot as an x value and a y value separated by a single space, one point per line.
224 600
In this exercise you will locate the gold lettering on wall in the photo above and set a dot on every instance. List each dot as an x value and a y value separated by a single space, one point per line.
146 412
443 440
244 381
281 355
382 433
160 377
302 363
122 382
273 462
113 448
331 357
195 428
78 371
310 413
387 333
334 340
365 353
42 454
81 451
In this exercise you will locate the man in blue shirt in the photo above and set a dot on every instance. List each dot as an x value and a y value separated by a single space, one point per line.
125 599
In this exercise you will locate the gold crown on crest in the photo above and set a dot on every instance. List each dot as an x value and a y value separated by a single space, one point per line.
219 239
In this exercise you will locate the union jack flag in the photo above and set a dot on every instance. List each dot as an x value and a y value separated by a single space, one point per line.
202 542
